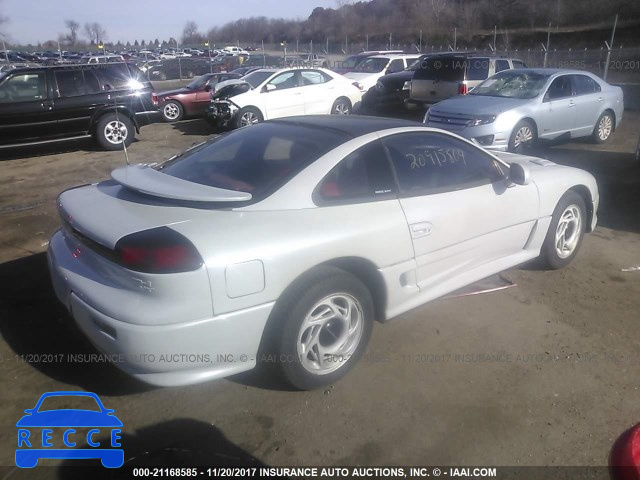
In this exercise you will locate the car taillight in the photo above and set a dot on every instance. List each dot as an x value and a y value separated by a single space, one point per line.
154 99
462 89
158 250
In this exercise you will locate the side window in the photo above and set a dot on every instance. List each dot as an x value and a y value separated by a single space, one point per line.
70 82
114 77
24 87
518 64
584 85
91 83
559 88
433 163
478 68
396 66
502 65
312 77
363 175
285 80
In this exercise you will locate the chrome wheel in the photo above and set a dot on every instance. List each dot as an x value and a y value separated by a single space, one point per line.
249 118
171 111
115 132
524 136
605 125
568 231
341 108
330 334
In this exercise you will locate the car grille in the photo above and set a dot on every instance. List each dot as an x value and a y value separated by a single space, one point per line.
449 121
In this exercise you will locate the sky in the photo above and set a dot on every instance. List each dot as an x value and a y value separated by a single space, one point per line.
33 21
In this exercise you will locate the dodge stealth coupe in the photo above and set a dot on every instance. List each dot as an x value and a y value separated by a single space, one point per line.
282 243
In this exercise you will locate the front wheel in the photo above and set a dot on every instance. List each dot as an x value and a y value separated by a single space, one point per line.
328 320
603 128
113 131
523 137
248 116
172 111
341 106
566 232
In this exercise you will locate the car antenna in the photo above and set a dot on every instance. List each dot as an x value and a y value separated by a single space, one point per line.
124 143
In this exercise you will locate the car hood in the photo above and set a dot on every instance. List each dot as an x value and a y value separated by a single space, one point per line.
69 418
230 88
478 105
395 81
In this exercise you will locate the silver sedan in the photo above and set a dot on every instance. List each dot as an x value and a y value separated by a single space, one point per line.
514 108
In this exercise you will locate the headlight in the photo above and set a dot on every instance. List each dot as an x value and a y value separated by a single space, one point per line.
482 120
407 85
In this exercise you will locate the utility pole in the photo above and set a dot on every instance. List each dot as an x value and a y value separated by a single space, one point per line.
389 40
495 35
455 38
420 48
609 47
546 49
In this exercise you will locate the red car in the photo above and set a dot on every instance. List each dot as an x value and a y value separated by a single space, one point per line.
191 100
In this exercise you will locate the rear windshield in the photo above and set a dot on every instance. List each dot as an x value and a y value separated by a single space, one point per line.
257 159
444 69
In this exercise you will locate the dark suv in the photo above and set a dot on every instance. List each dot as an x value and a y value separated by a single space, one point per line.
108 102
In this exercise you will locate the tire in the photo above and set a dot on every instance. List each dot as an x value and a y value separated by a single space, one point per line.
172 111
523 137
604 128
341 106
298 345
569 215
248 116
112 131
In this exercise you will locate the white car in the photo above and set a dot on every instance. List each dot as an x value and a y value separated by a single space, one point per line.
367 73
271 93
235 50
283 242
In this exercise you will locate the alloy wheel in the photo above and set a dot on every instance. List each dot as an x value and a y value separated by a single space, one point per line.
568 231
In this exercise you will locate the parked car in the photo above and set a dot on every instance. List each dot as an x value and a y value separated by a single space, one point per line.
175 69
367 73
109 102
392 90
271 93
95 59
191 100
235 50
447 75
244 70
513 109
283 242
352 61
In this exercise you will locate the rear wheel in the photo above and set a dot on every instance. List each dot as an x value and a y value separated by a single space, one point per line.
172 111
341 106
566 231
603 128
327 323
523 137
113 131
248 116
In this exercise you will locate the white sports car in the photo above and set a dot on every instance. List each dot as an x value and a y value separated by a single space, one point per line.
283 242
270 93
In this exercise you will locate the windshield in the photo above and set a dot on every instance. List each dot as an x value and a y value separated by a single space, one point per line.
256 78
512 84
258 159
199 82
372 65
415 65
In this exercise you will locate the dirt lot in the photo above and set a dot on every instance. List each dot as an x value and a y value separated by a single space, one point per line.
545 373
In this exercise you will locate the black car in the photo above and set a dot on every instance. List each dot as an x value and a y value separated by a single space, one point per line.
391 90
109 102
175 69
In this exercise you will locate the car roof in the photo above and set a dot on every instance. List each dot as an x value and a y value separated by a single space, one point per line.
351 125
396 55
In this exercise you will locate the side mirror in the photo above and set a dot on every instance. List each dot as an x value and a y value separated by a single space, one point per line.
269 87
519 174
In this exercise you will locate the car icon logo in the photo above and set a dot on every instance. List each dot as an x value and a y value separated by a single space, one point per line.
33 446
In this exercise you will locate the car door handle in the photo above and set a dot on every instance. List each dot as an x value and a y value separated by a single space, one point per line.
420 229
571 104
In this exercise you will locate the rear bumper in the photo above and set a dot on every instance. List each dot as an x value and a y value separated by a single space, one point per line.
172 354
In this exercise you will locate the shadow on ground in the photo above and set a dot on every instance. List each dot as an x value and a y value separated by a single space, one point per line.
34 323
84 145
196 126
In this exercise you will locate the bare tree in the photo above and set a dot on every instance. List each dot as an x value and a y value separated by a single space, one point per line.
190 34
437 7
71 38
95 32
